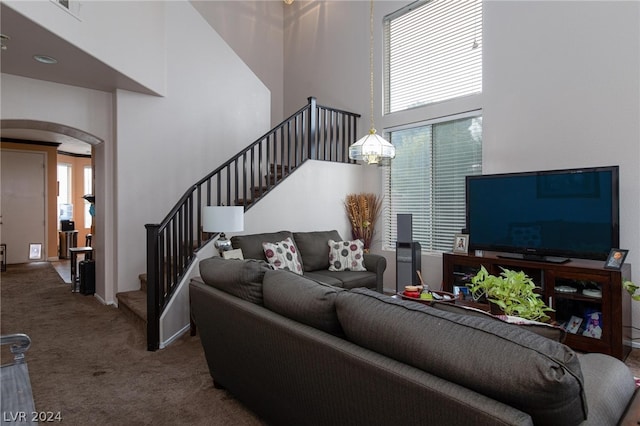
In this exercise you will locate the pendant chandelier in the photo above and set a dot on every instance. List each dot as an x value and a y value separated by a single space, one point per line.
372 148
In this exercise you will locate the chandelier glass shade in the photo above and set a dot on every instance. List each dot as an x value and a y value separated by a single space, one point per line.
372 148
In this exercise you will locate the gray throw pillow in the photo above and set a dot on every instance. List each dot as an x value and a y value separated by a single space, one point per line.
241 278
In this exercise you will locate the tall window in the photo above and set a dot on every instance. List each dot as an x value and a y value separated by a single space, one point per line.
427 179
88 189
433 52
65 206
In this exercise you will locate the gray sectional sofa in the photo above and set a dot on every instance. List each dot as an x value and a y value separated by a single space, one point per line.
300 352
313 251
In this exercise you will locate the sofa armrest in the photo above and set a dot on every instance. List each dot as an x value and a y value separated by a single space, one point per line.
376 263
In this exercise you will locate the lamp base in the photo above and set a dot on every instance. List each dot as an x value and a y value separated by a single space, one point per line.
222 244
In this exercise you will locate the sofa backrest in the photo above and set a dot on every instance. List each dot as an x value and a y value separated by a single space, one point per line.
314 248
547 330
251 245
537 375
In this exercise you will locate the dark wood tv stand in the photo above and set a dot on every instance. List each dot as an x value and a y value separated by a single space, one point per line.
563 288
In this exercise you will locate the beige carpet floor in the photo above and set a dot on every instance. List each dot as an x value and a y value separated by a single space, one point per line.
90 363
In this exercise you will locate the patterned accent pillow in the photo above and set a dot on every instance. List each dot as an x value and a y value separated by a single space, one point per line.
283 255
346 255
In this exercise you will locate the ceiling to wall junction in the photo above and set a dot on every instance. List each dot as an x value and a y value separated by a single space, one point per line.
74 67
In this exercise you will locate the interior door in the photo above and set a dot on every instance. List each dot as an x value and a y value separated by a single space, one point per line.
22 204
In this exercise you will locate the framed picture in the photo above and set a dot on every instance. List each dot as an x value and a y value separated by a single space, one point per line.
461 292
574 324
461 243
593 327
35 251
616 259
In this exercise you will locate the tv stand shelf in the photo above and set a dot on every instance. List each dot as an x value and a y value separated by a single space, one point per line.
589 300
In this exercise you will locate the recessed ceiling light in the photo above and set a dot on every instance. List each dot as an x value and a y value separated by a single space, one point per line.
45 59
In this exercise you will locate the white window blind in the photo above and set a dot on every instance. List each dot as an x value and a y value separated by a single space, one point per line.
433 52
427 179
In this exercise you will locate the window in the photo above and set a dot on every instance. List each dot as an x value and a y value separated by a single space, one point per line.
433 52
427 179
88 189
65 206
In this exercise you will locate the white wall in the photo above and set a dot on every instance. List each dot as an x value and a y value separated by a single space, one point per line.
214 106
561 88
311 200
254 30
29 99
568 96
111 32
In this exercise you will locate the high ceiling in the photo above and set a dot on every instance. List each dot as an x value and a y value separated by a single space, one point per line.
74 67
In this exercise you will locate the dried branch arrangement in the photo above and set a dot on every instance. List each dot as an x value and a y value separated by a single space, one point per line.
363 211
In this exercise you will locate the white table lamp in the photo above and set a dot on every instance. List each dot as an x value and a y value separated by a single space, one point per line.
221 219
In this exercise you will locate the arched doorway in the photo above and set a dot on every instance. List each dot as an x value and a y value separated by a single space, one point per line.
60 135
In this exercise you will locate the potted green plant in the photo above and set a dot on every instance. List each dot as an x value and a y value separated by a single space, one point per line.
512 292
632 289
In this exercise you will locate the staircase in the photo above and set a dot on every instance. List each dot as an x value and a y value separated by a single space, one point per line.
274 176
314 132
134 304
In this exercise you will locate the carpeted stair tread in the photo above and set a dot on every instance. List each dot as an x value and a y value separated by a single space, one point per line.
134 304
143 282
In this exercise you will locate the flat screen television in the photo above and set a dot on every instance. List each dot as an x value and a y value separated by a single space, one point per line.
551 215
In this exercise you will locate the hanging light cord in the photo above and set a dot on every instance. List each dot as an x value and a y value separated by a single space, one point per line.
373 129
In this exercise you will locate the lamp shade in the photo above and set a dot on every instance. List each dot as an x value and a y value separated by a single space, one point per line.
372 149
223 219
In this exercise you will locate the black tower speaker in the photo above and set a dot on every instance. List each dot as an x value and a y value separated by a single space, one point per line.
408 254
405 227
87 277
408 263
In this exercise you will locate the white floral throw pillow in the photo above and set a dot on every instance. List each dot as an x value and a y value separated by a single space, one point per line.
346 255
283 255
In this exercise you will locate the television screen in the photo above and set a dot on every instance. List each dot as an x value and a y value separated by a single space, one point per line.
554 214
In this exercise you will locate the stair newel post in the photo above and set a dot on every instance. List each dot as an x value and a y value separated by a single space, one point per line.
153 288
313 119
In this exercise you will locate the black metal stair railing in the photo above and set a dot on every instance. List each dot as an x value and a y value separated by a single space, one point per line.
314 132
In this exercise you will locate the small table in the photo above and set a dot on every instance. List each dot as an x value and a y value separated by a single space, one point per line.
74 252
